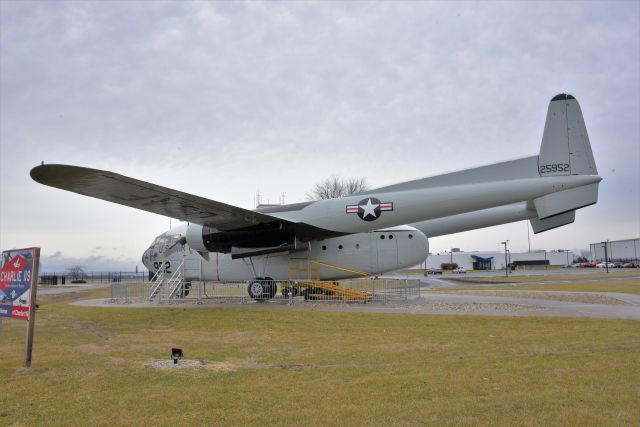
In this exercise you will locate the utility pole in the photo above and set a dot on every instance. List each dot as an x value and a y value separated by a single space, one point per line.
506 261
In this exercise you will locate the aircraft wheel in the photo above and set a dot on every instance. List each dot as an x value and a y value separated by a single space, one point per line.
286 290
262 290
272 287
257 289
185 289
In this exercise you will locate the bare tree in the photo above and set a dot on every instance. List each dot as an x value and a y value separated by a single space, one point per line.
336 187
76 272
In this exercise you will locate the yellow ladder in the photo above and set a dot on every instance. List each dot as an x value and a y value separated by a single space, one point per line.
326 290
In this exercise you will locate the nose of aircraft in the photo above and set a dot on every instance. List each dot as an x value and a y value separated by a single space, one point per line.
147 259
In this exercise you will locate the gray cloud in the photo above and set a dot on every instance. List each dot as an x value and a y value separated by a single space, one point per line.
58 263
222 99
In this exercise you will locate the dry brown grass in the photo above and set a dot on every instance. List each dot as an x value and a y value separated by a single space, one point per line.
631 286
291 367
593 274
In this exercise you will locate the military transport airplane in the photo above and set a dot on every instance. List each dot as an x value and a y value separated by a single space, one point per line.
373 232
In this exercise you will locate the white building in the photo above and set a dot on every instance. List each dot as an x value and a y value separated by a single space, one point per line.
492 260
617 250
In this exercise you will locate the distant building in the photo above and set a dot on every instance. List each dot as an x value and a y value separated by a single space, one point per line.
617 250
494 260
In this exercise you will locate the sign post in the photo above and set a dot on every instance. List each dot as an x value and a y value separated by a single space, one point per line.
18 287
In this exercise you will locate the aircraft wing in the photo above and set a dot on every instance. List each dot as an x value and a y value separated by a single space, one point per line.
149 197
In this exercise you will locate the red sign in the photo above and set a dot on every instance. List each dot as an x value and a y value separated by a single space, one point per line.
15 283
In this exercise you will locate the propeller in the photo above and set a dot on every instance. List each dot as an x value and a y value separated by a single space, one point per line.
182 240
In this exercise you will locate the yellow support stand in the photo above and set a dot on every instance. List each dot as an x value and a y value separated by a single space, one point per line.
325 290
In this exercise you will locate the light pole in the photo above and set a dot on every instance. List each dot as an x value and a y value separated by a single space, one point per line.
606 257
506 262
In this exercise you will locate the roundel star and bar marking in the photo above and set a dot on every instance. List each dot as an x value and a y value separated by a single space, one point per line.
369 209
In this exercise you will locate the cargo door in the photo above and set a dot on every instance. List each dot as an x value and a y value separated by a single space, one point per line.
387 245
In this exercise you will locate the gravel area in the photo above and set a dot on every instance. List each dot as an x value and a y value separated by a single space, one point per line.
469 306
167 364
182 364
423 304
585 298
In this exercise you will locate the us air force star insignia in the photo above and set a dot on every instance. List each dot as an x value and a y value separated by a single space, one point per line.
369 209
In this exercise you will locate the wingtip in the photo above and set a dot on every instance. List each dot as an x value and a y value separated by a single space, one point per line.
43 173
35 172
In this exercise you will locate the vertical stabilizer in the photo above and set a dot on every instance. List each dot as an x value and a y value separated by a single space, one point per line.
565 149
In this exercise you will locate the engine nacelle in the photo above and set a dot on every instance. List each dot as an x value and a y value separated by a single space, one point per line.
207 239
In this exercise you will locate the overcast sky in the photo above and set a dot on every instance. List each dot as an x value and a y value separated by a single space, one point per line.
225 99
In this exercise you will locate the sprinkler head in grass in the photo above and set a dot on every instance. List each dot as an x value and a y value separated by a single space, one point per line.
176 354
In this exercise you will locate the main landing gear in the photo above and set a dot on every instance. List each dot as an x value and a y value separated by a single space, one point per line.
262 289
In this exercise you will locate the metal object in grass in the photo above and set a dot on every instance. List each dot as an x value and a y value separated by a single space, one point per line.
176 354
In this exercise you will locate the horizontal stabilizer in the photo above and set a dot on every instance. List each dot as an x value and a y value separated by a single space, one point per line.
567 200
540 225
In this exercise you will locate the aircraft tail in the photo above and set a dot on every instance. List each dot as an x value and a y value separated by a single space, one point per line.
565 146
565 150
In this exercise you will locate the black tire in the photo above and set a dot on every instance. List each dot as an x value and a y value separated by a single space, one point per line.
256 290
261 289
185 290
288 288
272 286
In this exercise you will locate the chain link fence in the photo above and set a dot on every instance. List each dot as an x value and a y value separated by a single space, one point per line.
286 292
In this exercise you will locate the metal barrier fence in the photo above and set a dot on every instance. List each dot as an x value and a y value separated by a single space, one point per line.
55 278
291 292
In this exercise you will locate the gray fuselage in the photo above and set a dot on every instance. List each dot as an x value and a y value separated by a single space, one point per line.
342 257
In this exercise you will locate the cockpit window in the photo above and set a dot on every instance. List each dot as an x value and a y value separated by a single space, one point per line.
162 242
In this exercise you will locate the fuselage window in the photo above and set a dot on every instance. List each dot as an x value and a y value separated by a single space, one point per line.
382 236
324 248
339 246
390 236
411 236
357 245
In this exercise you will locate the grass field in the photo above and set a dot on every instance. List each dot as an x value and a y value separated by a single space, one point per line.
549 278
289 367
631 286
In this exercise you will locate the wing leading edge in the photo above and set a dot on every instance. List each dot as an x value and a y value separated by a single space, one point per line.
134 193
228 225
